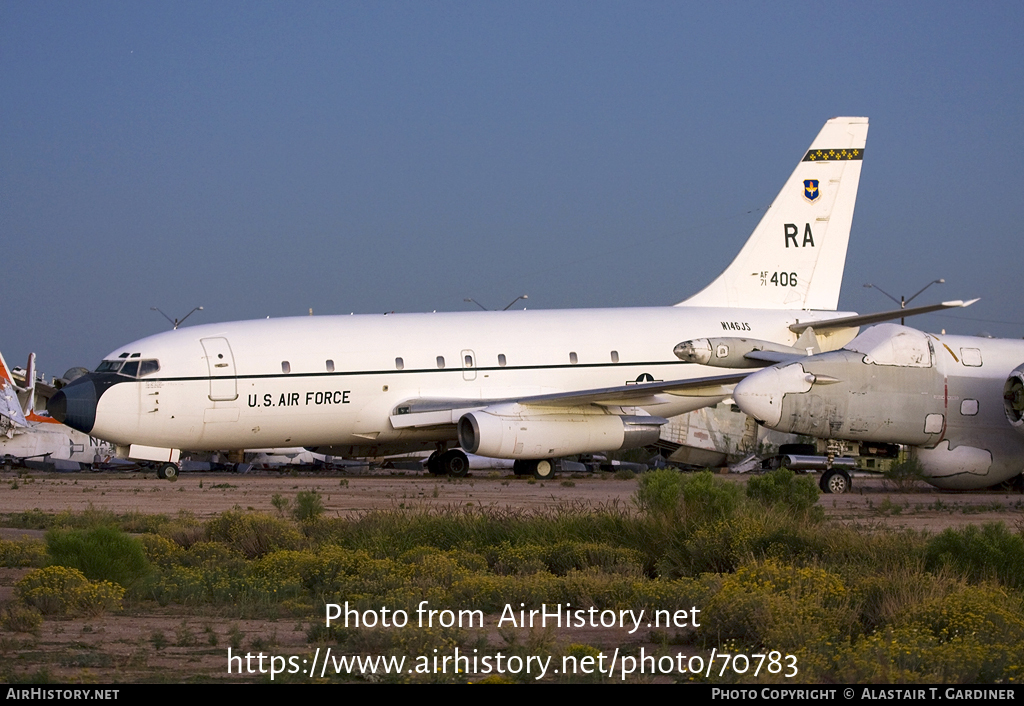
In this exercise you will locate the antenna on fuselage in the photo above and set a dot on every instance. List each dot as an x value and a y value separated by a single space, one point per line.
474 301
177 322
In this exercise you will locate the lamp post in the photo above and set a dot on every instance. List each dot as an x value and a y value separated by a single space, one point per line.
901 301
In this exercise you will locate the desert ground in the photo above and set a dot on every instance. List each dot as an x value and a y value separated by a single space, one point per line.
872 499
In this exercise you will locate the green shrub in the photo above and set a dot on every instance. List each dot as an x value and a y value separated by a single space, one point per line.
779 606
160 550
904 475
708 498
18 617
61 590
658 493
101 554
27 552
782 487
309 506
253 534
989 552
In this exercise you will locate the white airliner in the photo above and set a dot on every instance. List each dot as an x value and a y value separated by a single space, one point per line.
523 385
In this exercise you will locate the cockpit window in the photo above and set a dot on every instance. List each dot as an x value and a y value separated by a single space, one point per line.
110 366
889 344
131 369
148 367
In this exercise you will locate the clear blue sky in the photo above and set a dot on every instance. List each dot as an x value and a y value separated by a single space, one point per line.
260 159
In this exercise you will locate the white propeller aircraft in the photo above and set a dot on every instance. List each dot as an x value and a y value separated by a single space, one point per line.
956 401
523 385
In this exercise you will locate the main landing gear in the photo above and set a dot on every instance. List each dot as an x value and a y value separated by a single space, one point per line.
541 468
448 463
835 481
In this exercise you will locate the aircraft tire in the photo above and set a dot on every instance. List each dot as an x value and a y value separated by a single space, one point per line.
434 464
160 472
544 469
521 468
835 482
454 463
169 472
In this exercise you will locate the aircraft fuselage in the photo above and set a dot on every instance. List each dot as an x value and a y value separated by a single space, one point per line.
341 381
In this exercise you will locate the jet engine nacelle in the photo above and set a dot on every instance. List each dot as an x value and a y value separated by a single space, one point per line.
512 431
728 352
1013 398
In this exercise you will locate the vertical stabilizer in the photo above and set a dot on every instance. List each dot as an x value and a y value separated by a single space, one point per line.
11 413
795 257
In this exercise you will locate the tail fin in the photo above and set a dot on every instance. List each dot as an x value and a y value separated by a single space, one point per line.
11 412
795 257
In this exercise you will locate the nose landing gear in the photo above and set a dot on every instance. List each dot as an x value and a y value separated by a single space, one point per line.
167 471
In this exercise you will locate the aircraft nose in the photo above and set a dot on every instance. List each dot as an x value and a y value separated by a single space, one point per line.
760 395
75 405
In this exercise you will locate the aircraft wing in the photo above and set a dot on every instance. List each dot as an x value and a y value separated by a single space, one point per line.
866 319
434 411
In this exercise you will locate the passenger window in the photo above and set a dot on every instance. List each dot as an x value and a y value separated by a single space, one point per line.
468 361
399 364
501 360
286 367
440 362
615 356
573 359
330 366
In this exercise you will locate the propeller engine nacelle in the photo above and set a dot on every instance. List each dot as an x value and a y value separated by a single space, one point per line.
1013 398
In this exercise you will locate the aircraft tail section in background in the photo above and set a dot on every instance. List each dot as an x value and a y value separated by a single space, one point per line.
12 413
795 257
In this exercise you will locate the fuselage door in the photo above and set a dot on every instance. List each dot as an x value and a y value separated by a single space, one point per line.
223 383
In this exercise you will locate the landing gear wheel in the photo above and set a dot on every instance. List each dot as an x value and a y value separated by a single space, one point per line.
434 464
167 471
835 482
544 469
454 463
521 468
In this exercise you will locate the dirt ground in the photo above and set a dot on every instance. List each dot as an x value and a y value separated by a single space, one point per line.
178 643
204 495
